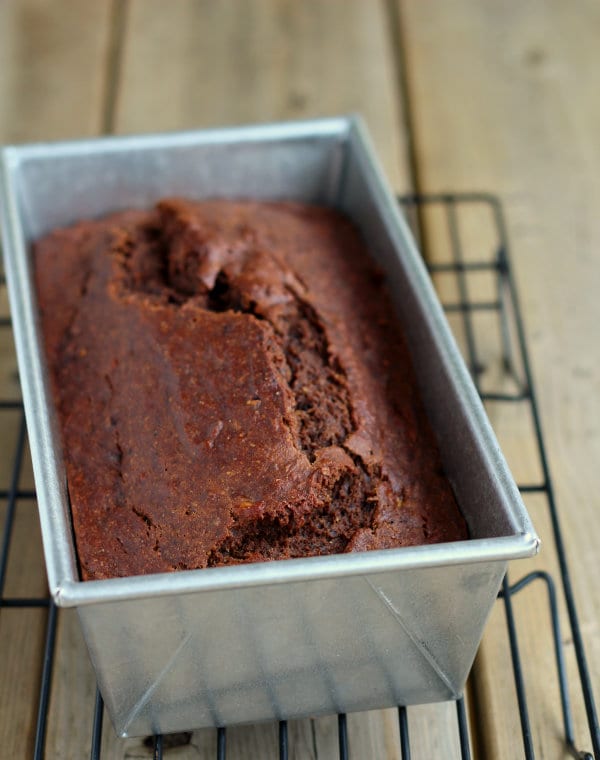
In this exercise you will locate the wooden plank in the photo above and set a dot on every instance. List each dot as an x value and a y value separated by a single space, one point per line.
70 720
21 639
22 632
52 67
231 63
432 732
504 97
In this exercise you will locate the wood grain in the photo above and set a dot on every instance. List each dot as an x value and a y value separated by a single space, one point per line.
52 68
22 632
213 64
504 97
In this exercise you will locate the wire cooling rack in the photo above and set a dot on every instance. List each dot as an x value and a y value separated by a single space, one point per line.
452 269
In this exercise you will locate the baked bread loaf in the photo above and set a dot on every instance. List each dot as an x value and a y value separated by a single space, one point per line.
232 386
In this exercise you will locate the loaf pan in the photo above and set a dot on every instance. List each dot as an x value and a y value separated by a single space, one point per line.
295 637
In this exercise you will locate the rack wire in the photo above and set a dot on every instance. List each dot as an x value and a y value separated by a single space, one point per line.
459 265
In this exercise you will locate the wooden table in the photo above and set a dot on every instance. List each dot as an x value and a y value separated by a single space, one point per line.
458 95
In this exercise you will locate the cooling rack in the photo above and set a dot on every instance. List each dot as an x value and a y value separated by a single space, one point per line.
451 270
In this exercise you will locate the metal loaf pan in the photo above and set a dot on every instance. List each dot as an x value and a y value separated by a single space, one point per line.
278 639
